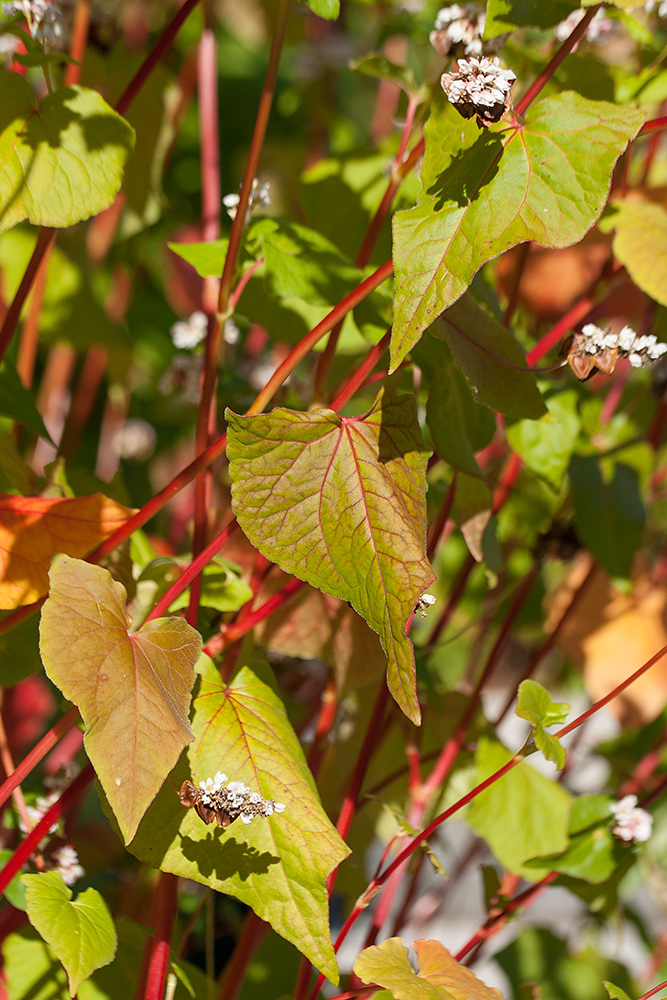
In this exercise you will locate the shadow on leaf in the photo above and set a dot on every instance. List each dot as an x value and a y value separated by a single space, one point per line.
223 857
468 172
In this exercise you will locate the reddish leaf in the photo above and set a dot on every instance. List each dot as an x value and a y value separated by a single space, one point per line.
340 502
133 691
32 529
440 977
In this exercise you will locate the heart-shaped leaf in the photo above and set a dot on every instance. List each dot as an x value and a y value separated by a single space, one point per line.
61 158
545 180
439 975
277 865
133 691
81 933
340 502
32 529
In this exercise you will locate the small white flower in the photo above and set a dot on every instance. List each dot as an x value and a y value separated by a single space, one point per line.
67 863
186 334
636 360
135 439
649 7
632 823
278 807
247 817
626 338
231 332
428 599
45 20
259 195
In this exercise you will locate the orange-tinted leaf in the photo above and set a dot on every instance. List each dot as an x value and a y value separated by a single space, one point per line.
133 691
440 977
32 529
610 634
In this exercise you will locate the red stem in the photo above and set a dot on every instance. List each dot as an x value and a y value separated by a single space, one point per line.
549 70
165 912
51 816
154 57
38 752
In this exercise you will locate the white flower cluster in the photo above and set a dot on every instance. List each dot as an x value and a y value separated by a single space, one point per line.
650 6
481 87
597 29
45 19
187 333
37 811
236 798
66 861
631 823
259 195
462 26
135 439
640 351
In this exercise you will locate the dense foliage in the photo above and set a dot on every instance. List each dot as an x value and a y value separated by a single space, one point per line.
332 422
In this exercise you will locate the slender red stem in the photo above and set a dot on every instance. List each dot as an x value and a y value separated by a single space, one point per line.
38 752
165 911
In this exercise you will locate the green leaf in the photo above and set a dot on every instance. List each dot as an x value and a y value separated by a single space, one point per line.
15 891
33 971
506 15
640 244
329 9
17 402
545 446
546 180
459 425
81 933
593 853
62 158
208 259
439 976
133 691
278 866
491 359
378 66
340 502
535 704
610 515
522 816
615 992
221 589
302 263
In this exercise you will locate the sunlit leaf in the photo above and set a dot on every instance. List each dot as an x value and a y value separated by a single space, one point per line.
593 852
32 529
483 192
640 243
62 158
328 9
80 932
340 502
439 975
208 259
523 815
505 15
545 446
133 690
17 402
278 866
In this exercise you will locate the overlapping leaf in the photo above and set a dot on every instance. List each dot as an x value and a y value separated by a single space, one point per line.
491 360
545 446
32 529
62 158
133 691
278 866
640 244
340 502
505 15
81 933
439 975
482 192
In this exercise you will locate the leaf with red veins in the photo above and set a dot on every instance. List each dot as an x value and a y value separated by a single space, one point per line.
133 690
546 180
340 502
